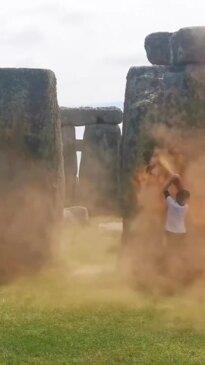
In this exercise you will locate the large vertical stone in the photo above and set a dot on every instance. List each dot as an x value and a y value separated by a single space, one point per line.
97 139
173 96
70 163
31 168
99 168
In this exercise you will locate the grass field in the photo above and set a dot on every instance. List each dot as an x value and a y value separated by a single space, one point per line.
80 311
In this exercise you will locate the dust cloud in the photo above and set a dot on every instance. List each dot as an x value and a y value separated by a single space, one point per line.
156 268
88 264
28 223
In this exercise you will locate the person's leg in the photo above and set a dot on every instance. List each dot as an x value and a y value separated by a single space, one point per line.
164 253
175 259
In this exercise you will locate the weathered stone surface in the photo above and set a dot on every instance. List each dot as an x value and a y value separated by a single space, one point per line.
185 46
188 46
79 145
157 46
174 96
70 163
88 116
31 168
99 168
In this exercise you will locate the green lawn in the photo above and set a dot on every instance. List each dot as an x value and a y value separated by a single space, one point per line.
79 311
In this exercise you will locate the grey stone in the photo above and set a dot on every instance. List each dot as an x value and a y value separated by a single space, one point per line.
76 215
79 145
70 164
99 168
87 116
31 168
188 46
173 96
157 46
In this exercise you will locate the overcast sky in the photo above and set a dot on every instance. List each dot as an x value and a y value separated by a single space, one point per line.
89 44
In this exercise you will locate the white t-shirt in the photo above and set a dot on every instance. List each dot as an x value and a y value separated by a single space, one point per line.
175 222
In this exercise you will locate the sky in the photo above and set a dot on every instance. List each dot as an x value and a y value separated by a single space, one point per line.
89 44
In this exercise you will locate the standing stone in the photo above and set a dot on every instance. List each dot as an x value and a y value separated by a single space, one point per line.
31 169
99 168
104 121
79 145
173 96
70 163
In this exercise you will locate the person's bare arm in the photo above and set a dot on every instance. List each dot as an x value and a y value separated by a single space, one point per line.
173 179
167 184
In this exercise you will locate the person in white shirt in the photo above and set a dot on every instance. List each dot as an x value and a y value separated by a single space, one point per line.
177 208
173 263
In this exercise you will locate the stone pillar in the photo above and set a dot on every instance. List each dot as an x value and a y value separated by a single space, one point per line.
70 163
98 184
31 168
79 145
99 169
173 95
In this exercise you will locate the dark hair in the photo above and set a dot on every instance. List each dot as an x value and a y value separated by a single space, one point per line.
182 195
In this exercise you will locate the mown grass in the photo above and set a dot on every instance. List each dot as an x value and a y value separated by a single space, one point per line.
71 314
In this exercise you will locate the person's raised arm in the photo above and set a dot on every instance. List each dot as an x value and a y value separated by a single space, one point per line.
173 179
